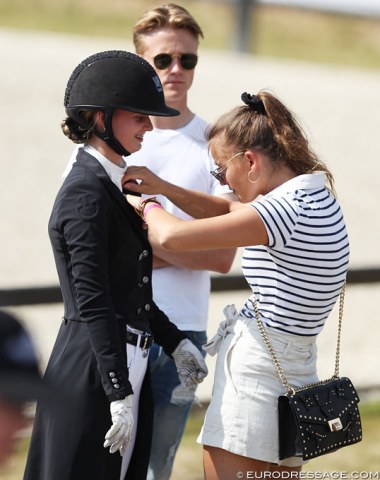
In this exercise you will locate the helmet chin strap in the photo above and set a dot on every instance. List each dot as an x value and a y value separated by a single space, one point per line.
108 135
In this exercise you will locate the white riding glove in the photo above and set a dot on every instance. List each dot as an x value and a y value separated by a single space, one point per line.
119 435
191 367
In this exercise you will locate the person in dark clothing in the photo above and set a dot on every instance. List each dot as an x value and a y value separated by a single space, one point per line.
98 365
20 381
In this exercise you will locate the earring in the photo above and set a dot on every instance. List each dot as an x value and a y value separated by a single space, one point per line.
254 181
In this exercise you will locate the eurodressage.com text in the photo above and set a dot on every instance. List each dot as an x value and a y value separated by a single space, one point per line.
364 475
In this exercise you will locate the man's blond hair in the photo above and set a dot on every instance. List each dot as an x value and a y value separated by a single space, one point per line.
164 16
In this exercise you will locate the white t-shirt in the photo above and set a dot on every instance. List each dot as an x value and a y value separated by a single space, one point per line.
297 278
182 157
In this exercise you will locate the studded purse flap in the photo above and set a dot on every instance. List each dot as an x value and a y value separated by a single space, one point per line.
319 419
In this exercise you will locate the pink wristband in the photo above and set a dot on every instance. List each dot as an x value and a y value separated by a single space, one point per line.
149 207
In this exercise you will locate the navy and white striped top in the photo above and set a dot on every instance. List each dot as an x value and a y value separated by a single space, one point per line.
297 278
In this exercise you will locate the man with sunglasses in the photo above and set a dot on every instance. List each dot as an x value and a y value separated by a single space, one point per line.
176 149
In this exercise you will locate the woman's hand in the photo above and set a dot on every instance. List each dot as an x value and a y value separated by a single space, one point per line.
133 200
119 435
147 181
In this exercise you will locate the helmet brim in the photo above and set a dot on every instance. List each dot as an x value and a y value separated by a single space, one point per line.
165 112
161 112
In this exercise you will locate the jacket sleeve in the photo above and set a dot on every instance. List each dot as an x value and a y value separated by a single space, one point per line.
165 333
83 227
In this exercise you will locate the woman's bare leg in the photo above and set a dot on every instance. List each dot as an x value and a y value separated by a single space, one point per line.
278 468
222 465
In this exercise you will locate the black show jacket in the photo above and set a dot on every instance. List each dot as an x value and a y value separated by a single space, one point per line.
104 264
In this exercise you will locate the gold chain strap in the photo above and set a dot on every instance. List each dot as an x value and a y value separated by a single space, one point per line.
341 305
289 389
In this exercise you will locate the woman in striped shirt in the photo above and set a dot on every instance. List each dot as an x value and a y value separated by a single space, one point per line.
295 261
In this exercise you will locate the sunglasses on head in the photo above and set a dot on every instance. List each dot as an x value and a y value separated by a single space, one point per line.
164 60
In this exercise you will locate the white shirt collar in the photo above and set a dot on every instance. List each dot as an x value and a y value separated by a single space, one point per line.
113 171
308 181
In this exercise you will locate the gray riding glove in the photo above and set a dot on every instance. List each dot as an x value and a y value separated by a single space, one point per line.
191 367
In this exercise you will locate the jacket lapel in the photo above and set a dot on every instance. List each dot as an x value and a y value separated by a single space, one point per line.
88 161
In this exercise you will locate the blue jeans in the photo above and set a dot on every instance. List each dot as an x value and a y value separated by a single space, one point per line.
172 404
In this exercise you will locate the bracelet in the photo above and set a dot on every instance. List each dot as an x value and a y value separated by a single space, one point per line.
149 208
139 209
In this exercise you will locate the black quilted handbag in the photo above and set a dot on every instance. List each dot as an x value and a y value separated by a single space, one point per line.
319 418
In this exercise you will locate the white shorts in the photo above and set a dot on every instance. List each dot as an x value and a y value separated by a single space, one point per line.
242 415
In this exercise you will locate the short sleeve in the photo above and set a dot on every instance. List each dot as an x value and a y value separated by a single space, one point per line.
280 217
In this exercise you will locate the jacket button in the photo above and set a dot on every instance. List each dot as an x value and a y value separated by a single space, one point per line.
112 374
147 307
145 253
116 385
145 279
114 380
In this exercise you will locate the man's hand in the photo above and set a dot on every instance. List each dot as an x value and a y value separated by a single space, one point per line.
120 434
190 364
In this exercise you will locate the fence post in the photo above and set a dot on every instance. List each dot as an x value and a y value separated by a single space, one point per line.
242 25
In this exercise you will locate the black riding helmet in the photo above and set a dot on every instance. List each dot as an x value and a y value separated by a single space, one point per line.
112 80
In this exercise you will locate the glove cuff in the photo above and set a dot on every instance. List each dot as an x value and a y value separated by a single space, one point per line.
179 346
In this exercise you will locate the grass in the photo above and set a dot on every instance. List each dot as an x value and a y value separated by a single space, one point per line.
319 37
274 31
361 457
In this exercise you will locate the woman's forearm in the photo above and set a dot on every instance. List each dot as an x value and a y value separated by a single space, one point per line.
240 227
195 204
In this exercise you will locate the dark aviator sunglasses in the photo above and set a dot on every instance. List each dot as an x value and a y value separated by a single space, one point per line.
188 61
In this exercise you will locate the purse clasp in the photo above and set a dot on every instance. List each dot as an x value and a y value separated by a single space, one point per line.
335 425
